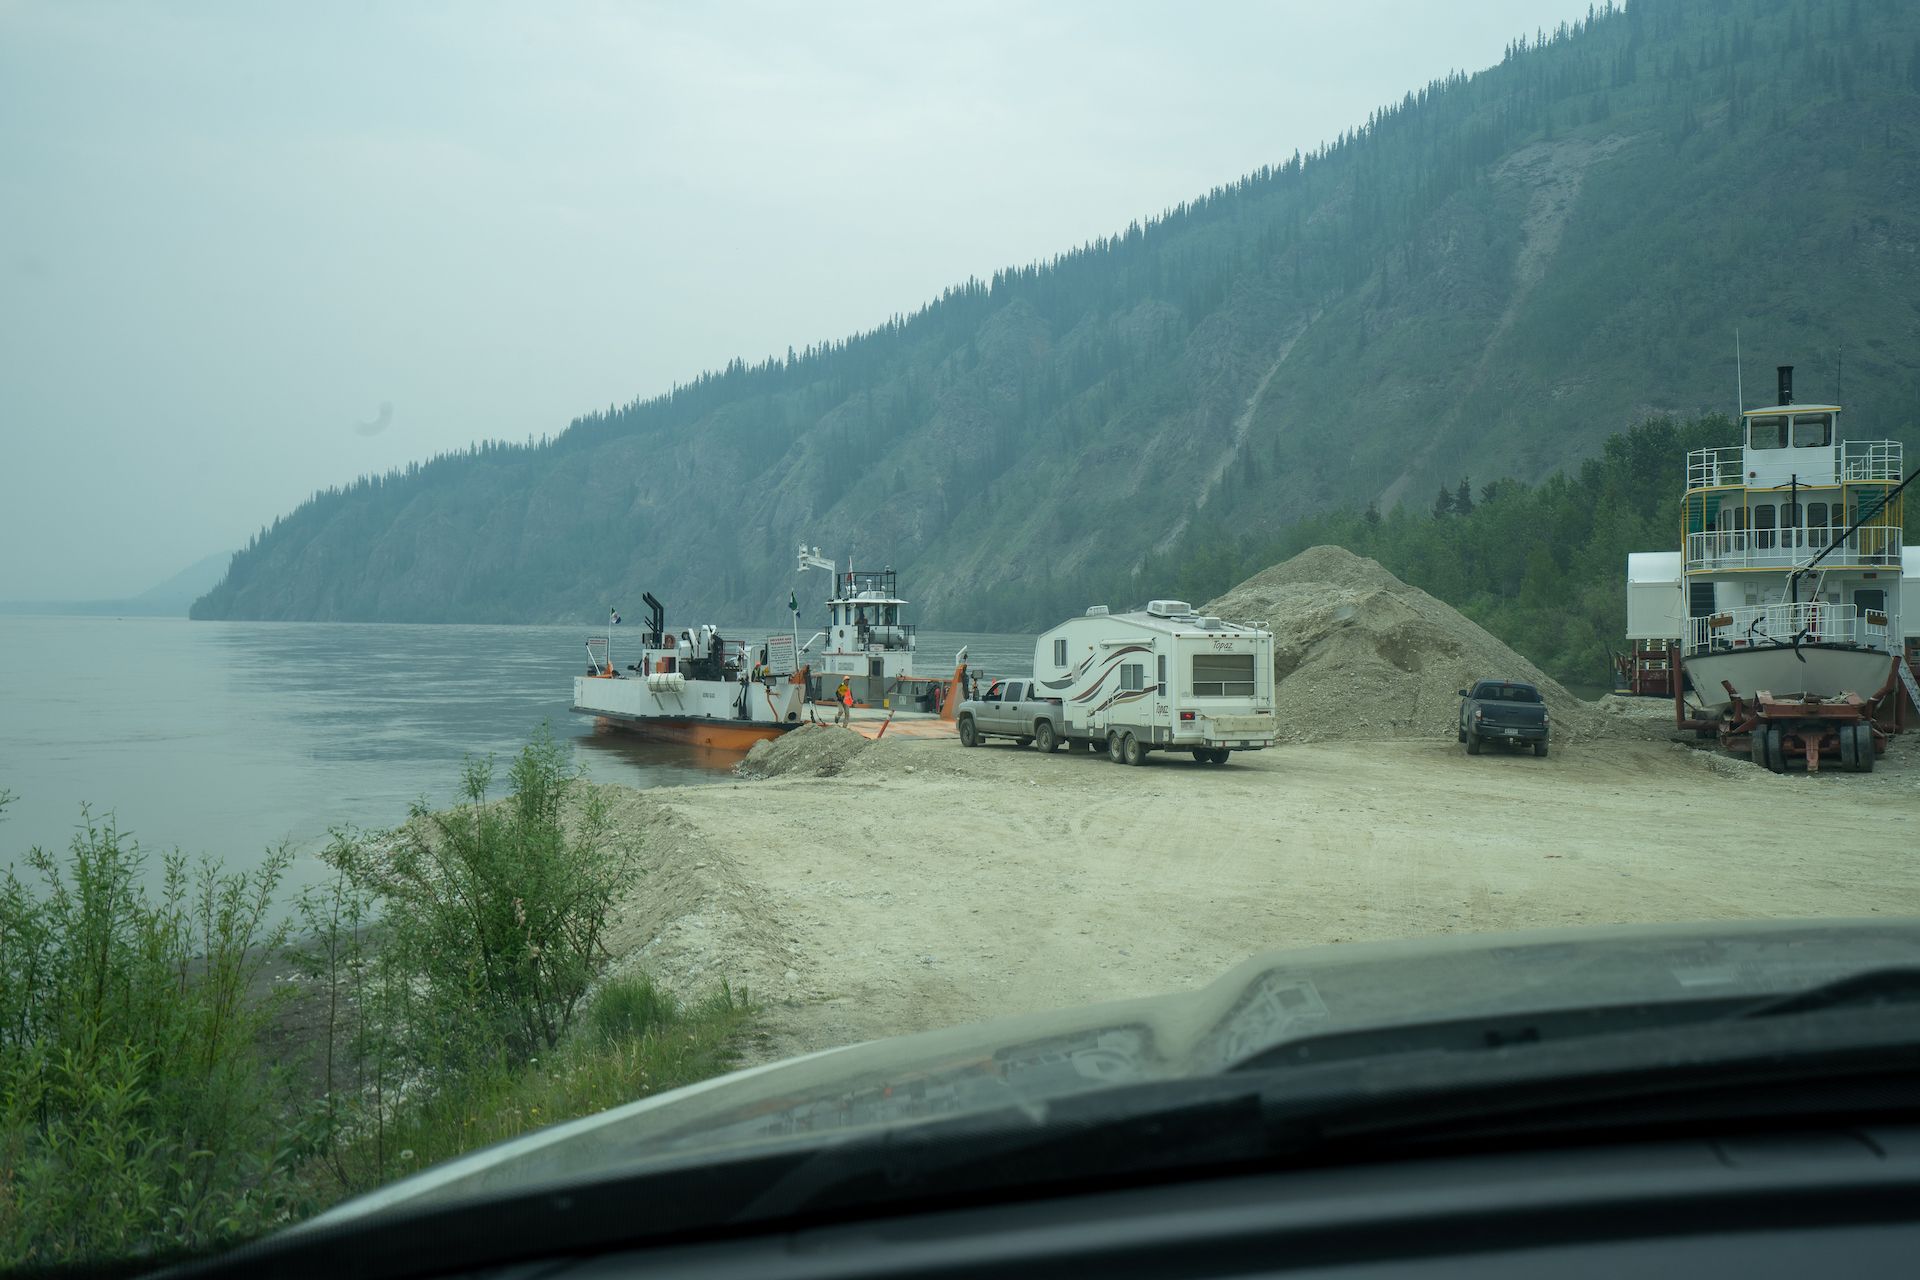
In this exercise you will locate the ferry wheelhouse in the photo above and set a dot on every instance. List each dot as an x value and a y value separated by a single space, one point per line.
1788 580
867 639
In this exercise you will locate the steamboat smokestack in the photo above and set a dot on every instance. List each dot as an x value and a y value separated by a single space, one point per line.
1786 384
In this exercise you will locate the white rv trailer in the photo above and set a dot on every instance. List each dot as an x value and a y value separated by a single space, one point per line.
1162 679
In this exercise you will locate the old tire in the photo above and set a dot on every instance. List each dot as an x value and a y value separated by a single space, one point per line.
1113 748
969 736
1776 751
1757 747
1863 745
1849 748
1539 748
1131 752
1473 743
1220 754
1043 737
1023 742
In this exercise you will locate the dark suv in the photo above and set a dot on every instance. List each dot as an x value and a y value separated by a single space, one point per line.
1503 711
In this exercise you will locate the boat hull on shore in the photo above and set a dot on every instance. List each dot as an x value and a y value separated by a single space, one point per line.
1824 671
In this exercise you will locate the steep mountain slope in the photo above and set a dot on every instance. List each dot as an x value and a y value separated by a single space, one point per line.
1488 278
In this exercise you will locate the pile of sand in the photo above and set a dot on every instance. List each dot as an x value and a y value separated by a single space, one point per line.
1360 654
823 751
817 749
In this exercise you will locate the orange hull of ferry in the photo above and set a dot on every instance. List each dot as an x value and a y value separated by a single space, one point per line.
697 733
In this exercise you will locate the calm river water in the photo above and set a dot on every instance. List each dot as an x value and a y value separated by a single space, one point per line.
226 738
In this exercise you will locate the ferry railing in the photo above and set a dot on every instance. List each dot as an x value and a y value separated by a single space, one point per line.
1812 622
1712 468
1790 548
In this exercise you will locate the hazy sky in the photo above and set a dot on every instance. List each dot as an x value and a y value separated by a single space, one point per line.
249 250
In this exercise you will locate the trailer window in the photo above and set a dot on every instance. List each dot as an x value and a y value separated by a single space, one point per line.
1133 677
1060 652
1223 675
1162 690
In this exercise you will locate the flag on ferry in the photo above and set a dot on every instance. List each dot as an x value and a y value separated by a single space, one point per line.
793 602
613 617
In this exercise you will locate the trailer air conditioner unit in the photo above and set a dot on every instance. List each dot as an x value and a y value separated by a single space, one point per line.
1097 611
1169 608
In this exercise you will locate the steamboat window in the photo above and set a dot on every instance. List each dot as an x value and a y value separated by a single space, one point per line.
1763 526
1223 675
1874 598
1060 652
1811 430
1789 524
1133 676
1767 433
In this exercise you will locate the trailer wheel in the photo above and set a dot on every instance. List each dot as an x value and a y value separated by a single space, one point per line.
1757 746
1131 752
1849 749
1044 738
1113 748
1220 754
1776 753
969 736
1023 742
1863 745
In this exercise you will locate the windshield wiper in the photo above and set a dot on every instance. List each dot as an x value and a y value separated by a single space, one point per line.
1898 985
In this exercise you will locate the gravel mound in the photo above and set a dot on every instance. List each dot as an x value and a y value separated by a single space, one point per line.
817 749
1360 654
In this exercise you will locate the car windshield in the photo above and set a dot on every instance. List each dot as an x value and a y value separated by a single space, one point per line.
590 587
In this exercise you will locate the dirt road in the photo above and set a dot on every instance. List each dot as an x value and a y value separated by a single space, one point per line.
924 884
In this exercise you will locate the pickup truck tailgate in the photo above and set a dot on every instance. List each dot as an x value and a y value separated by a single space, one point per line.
1239 726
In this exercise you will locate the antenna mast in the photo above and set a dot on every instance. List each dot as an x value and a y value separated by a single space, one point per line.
1739 389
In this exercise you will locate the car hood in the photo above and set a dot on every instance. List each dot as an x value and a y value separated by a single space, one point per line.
1267 1000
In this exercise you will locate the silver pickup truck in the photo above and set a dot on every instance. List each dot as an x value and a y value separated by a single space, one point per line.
1010 709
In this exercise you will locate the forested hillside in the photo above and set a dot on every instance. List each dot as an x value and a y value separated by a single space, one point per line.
1487 278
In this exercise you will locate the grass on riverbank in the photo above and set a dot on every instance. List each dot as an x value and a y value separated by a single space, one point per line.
638 1040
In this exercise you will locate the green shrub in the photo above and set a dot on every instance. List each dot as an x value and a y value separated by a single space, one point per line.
497 911
136 1113
448 964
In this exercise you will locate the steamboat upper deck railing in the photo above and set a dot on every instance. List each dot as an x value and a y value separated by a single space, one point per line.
1853 462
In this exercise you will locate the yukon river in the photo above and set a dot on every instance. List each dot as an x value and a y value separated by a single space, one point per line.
229 737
